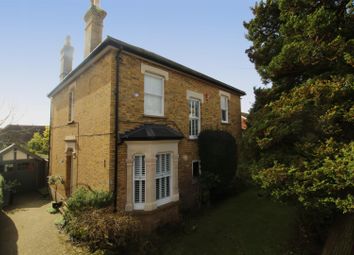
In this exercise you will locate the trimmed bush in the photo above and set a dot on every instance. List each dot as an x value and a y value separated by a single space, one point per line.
102 229
84 198
89 220
217 152
2 186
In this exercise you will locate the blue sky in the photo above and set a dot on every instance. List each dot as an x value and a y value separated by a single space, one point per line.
205 35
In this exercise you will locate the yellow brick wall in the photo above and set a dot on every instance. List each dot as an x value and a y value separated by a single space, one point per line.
176 109
92 126
94 121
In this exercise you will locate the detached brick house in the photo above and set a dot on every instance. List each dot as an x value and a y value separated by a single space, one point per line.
127 120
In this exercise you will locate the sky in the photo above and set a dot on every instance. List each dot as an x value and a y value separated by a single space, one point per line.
205 35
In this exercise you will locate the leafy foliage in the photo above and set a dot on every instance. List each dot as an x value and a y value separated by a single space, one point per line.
84 198
102 229
89 220
40 142
299 141
217 152
55 180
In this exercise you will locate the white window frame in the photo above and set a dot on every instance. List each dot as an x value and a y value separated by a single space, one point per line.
139 205
71 106
194 117
226 109
162 95
200 168
163 176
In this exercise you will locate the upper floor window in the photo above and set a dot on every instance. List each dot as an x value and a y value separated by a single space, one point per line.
194 118
71 106
224 105
163 178
153 95
139 181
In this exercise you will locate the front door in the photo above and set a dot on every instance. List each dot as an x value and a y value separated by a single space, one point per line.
69 183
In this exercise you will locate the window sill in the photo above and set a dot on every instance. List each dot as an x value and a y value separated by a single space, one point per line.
193 138
154 116
71 122
159 208
225 122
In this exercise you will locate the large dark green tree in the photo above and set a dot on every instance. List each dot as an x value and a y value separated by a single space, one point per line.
300 142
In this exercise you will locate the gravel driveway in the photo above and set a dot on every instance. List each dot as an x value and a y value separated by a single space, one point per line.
28 229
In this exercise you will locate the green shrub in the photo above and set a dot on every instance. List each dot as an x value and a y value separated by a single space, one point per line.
2 186
84 198
218 155
103 229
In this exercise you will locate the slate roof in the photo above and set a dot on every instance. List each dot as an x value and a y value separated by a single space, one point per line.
110 41
148 132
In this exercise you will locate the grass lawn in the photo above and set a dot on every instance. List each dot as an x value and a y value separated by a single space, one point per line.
242 225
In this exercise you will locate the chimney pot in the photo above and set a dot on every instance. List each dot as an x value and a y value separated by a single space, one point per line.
66 58
94 26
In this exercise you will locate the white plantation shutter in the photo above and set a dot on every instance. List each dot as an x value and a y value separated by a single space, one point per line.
163 177
139 181
153 95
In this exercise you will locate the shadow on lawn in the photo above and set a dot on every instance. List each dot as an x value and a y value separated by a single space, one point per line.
8 235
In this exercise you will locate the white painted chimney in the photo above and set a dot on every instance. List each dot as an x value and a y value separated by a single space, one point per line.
94 26
66 58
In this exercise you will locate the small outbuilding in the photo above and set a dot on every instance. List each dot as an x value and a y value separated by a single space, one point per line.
29 169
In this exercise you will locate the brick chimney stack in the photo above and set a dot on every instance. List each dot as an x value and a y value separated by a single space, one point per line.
94 27
66 58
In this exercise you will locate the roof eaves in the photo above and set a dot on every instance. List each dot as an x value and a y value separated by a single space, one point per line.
110 41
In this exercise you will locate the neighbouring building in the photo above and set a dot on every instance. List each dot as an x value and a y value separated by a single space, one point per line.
127 120
19 134
244 117
30 170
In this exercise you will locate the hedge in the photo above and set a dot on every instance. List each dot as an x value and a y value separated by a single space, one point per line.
218 155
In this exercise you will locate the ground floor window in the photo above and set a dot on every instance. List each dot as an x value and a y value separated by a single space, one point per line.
152 176
196 169
163 177
139 181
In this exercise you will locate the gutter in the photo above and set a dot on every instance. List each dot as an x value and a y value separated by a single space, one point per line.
116 132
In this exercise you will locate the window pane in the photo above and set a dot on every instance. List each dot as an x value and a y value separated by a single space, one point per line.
167 186
137 191
153 85
223 115
139 179
194 117
153 104
143 191
157 189
163 162
223 102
